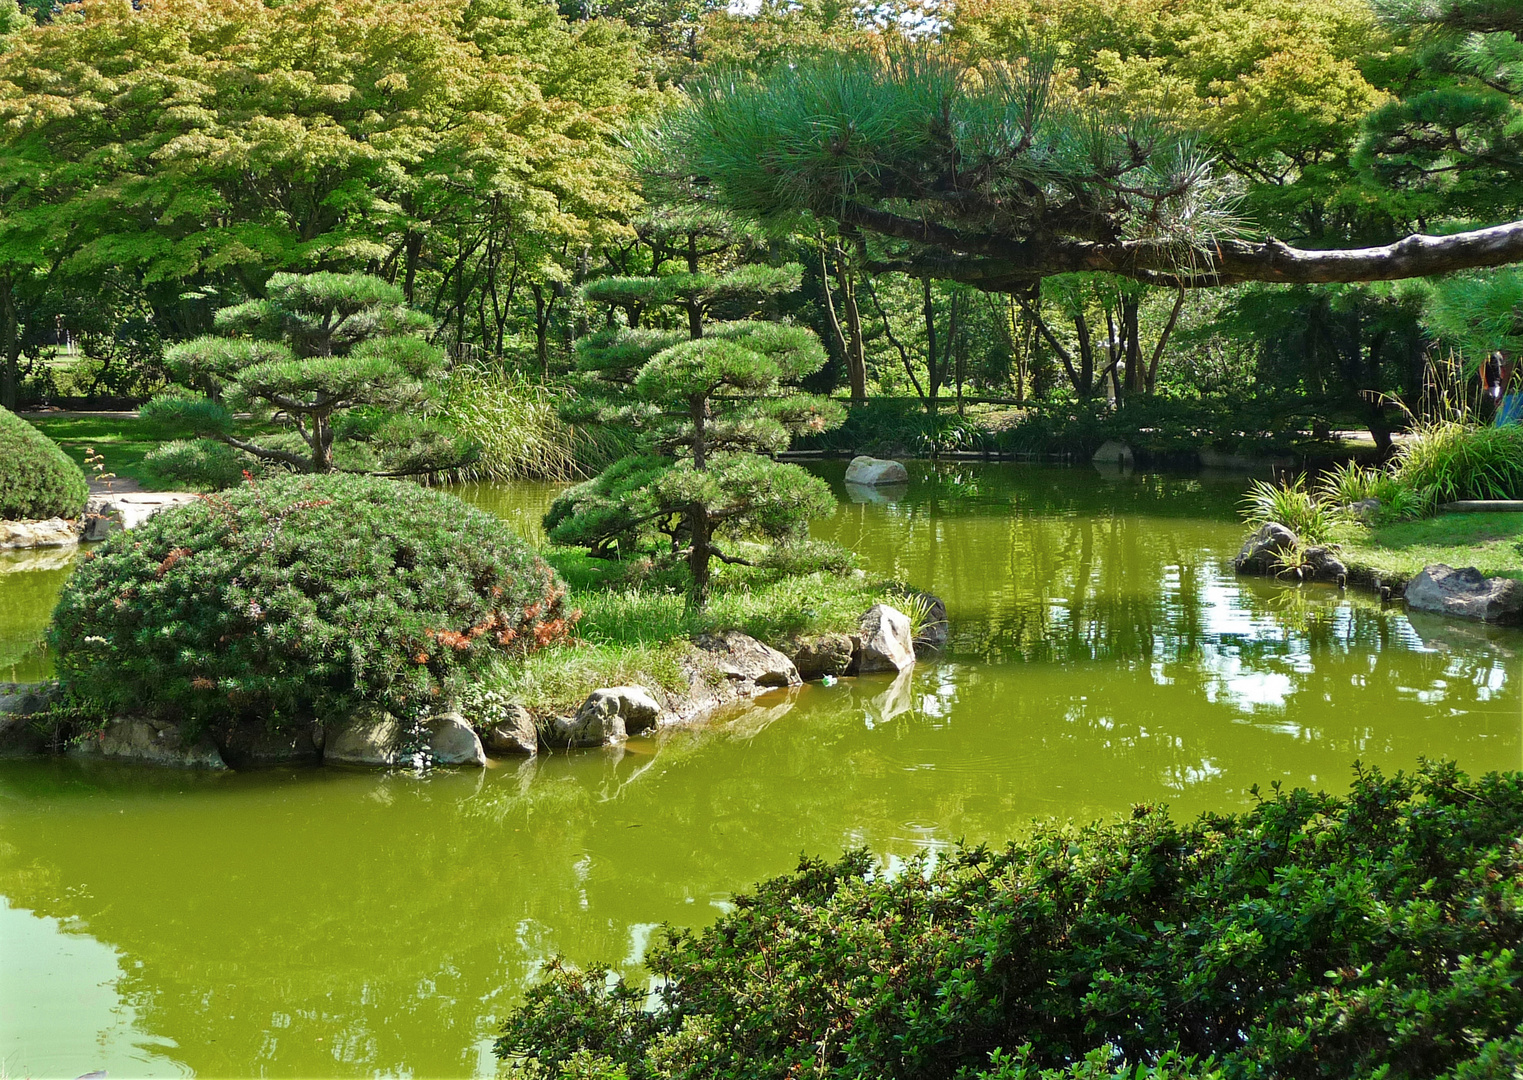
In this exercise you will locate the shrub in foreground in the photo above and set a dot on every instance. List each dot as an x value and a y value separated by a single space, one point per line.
1375 934
300 598
37 479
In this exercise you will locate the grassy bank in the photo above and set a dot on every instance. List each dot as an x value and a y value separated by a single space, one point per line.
639 634
122 441
1492 543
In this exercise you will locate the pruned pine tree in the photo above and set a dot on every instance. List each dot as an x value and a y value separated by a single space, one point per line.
707 407
1451 142
338 362
992 177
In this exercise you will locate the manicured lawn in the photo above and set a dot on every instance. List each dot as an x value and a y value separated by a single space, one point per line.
639 634
122 441
1488 542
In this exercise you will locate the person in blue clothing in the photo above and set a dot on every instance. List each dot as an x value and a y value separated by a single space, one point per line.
1497 398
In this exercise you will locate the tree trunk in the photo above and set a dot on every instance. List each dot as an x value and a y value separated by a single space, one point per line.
1380 428
694 308
1131 332
412 249
697 513
10 338
1163 340
1084 386
542 309
322 445
698 556
856 359
933 375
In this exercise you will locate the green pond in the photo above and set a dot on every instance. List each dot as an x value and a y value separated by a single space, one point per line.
332 923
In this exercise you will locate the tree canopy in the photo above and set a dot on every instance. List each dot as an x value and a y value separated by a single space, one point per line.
997 175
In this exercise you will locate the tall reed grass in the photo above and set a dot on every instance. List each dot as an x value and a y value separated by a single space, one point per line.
516 422
1458 460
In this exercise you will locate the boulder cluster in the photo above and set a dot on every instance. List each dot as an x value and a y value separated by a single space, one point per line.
723 668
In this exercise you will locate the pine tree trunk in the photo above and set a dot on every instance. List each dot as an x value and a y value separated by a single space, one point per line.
698 556
322 445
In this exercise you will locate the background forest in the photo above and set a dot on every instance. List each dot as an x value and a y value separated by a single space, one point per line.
164 161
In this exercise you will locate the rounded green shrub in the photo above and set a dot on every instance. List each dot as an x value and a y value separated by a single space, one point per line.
201 463
37 479
1311 935
300 598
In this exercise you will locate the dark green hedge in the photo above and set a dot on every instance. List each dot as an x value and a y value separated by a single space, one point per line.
300 598
37 479
1374 935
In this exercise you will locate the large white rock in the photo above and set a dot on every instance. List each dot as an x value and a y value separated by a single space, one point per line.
452 742
152 742
54 532
1466 594
370 738
886 642
132 508
871 471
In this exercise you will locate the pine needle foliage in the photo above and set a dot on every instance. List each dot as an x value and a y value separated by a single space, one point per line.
704 408
917 136
341 358
299 599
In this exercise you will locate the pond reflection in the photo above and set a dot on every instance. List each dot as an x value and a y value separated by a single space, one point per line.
324 922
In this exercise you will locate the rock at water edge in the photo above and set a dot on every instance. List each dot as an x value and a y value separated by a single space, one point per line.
19 705
740 656
821 655
934 634
1262 553
871 471
370 738
452 742
635 705
54 532
515 734
597 726
1466 594
1323 565
254 745
886 644
1114 452
152 742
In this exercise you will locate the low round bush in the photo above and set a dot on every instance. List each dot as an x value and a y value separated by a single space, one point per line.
37 479
1313 936
300 598
201 463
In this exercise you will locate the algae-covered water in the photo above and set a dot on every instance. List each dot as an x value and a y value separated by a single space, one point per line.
320 922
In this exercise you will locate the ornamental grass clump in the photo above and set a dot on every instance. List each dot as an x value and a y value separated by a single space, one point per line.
300 598
37 479
1375 934
1290 504
1458 460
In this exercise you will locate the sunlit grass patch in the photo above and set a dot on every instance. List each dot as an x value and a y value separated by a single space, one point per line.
1488 542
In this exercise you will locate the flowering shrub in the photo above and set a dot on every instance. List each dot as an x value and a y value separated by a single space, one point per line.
1372 935
300 598
37 479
